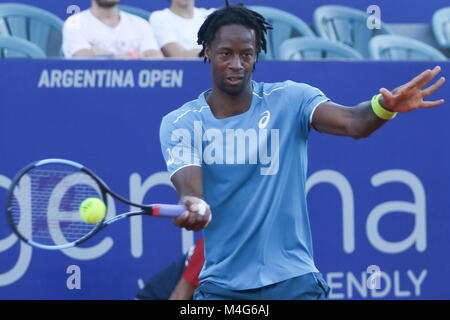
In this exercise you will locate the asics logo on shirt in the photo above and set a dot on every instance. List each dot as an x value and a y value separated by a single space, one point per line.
227 147
264 120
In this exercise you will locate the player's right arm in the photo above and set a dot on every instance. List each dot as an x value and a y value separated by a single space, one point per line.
188 182
184 164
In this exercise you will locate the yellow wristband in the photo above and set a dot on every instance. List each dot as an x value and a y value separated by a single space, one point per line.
379 110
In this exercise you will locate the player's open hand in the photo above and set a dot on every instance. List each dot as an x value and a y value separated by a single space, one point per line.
198 215
410 96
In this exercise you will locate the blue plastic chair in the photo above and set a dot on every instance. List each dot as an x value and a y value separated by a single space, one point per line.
33 24
285 25
14 47
313 48
393 47
441 27
136 11
346 25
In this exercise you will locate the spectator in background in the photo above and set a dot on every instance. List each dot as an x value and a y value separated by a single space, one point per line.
105 31
176 28
177 281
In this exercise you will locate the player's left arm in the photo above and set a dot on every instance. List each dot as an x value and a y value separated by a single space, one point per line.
360 121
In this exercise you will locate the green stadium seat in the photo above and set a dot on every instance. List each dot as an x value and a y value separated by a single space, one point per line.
393 47
346 25
441 27
33 24
14 47
313 48
285 26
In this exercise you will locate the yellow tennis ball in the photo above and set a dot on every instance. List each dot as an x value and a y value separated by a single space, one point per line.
92 210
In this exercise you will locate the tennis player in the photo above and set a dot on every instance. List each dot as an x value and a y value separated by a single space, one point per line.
240 149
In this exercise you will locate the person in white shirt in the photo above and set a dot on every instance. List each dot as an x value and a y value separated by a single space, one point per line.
105 31
176 28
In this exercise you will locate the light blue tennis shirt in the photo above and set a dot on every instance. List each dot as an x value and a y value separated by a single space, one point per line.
254 173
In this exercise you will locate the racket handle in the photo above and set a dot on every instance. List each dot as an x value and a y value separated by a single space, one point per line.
168 210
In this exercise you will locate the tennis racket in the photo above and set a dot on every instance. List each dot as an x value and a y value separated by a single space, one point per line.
44 198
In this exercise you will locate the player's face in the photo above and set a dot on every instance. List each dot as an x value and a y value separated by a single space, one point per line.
107 3
232 55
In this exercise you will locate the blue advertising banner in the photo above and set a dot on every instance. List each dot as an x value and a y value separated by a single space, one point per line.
378 206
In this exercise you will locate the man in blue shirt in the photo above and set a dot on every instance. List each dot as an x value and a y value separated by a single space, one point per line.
239 153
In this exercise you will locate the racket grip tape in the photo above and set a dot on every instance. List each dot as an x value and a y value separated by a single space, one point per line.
168 210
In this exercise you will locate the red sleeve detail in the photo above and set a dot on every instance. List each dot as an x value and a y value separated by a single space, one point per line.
195 264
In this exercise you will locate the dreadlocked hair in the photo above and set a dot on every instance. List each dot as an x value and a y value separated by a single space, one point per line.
233 14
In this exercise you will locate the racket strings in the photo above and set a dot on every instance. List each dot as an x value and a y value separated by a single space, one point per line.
45 208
